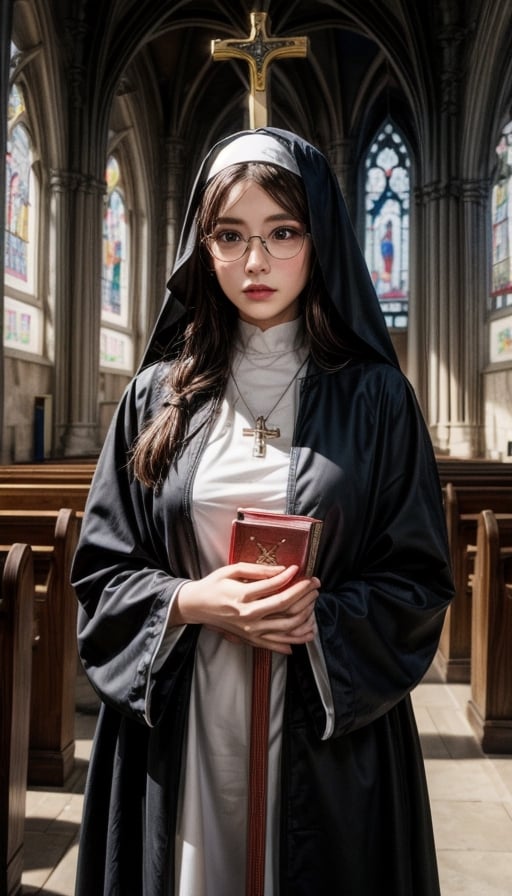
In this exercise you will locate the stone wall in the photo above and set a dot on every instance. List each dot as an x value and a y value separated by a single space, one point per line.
498 413
23 381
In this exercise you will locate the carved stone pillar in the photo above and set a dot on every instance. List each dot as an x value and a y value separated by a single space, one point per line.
442 286
77 211
341 160
174 157
450 284
445 324
476 197
5 52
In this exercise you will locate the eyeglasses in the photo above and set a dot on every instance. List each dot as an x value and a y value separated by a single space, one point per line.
230 245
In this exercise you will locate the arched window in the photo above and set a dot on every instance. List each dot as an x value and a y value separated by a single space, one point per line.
501 277
387 203
23 328
116 344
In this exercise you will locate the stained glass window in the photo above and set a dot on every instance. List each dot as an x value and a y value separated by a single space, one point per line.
23 319
114 294
115 341
500 330
501 294
387 203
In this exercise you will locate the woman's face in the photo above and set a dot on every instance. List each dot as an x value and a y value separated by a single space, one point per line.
265 290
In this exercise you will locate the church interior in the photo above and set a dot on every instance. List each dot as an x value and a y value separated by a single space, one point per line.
110 108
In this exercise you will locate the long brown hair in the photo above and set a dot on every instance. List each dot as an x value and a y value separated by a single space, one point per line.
201 366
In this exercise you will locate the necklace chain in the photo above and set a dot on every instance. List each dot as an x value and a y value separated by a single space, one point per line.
260 431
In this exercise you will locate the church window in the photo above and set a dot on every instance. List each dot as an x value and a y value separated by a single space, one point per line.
115 341
387 204
23 325
501 266
502 224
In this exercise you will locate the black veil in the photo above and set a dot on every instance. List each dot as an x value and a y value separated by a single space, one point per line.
343 267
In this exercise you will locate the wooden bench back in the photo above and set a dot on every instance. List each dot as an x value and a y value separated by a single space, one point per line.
490 707
474 471
53 472
16 619
468 500
43 496
53 537
463 505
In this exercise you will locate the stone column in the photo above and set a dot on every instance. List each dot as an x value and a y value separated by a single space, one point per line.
77 190
342 163
77 212
476 198
5 55
450 285
417 366
444 347
445 337
174 165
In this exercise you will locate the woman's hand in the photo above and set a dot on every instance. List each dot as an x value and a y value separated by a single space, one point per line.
260 605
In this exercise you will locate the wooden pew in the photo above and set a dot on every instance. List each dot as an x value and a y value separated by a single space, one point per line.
43 495
463 505
42 473
474 471
489 709
16 627
53 537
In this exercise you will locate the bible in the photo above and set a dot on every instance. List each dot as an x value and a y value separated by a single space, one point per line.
275 539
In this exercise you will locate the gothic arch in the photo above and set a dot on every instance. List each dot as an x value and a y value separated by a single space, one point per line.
134 132
488 91
38 70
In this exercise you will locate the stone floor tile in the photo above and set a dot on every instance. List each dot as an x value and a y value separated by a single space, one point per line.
42 853
475 873
42 807
464 825
455 731
460 694
62 881
503 766
469 779
431 695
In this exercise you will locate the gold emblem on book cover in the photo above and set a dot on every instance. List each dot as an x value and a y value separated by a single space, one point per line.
268 553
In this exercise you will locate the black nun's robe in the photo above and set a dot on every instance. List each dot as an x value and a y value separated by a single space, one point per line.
355 817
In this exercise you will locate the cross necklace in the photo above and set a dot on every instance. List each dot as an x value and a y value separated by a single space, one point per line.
261 431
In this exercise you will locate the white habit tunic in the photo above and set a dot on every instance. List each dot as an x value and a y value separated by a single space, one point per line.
211 829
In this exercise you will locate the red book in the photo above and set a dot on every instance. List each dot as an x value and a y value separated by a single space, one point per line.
275 539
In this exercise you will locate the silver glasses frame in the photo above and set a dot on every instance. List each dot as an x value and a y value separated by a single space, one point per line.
209 238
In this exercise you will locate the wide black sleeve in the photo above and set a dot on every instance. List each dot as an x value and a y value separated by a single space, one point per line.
122 578
384 564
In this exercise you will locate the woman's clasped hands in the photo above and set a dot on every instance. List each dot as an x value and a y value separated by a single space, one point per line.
264 606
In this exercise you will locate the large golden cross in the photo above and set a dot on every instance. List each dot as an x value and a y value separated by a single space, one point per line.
259 50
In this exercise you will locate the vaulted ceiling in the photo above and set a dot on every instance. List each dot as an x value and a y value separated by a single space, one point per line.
363 61
405 58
